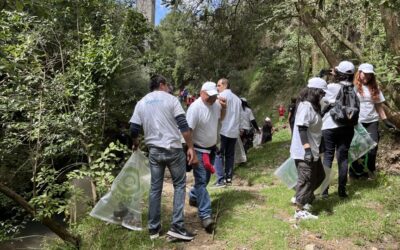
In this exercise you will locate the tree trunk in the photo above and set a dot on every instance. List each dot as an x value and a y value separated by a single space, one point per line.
316 34
53 225
391 22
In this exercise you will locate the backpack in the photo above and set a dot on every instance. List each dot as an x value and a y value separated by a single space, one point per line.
346 109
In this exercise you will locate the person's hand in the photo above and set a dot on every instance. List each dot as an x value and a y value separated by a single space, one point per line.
389 125
192 157
222 102
308 156
135 144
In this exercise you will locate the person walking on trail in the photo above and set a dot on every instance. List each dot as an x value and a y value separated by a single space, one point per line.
292 113
247 125
162 117
281 112
203 117
371 109
304 148
267 131
229 129
338 136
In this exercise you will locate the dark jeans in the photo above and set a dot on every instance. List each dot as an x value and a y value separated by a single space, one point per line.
338 139
357 168
228 154
310 178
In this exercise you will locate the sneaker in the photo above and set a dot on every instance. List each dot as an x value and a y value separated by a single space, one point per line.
208 224
342 192
293 200
304 215
155 233
228 181
182 234
307 207
219 185
192 202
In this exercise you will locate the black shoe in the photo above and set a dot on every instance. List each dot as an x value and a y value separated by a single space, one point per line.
342 193
181 233
192 202
155 233
208 224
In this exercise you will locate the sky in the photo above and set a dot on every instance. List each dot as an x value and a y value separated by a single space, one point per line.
161 12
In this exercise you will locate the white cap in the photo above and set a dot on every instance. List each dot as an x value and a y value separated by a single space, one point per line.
267 119
210 88
345 67
366 68
243 99
317 83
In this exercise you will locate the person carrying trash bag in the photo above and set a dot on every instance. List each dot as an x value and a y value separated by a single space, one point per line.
371 109
162 116
340 117
304 148
203 117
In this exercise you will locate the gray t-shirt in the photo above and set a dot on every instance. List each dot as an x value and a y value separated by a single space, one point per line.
306 116
156 113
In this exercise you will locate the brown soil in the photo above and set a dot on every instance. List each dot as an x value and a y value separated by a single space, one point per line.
389 154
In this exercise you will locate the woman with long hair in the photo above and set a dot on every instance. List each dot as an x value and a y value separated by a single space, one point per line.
304 148
371 99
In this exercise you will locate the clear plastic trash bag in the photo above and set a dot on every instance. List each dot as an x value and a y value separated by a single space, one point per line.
360 145
124 202
240 154
257 140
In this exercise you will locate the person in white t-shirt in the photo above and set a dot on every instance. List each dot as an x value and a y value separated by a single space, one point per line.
371 100
229 128
304 148
337 137
247 125
203 117
163 120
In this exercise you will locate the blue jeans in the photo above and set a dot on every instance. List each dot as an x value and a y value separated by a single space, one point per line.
174 159
228 154
199 192
219 169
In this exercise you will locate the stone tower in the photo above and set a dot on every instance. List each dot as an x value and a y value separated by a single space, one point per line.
147 8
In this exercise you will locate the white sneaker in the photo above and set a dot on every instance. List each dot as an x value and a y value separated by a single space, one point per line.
304 215
293 200
307 207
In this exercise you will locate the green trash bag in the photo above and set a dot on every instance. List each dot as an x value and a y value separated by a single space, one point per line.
361 143
123 204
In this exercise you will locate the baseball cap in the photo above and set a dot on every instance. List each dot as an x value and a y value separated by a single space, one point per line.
318 83
366 68
243 99
267 119
210 88
345 67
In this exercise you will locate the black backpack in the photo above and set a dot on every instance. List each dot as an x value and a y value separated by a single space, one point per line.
346 109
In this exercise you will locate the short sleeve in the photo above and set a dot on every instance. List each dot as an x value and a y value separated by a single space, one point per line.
191 117
178 110
136 115
381 98
304 114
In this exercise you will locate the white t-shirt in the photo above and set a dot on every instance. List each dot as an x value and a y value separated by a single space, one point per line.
246 117
306 116
203 120
230 124
368 112
156 113
330 96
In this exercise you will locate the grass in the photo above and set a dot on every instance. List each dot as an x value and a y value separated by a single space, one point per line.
259 215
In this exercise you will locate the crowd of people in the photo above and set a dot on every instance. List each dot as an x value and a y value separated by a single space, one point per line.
321 110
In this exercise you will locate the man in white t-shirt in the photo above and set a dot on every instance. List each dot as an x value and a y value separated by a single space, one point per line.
229 129
162 117
203 116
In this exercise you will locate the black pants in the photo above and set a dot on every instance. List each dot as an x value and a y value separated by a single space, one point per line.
357 169
338 139
228 154
310 178
247 139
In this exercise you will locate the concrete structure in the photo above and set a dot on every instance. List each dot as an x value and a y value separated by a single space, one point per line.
147 8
